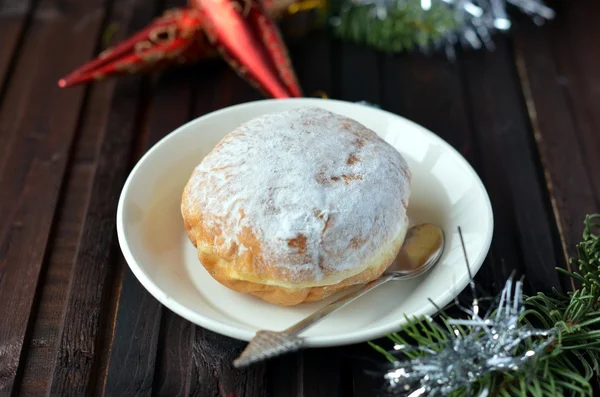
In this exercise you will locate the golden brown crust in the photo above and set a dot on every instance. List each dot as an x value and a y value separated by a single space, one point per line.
223 271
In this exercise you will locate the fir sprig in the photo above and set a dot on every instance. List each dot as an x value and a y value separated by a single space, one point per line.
570 361
399 27
404 25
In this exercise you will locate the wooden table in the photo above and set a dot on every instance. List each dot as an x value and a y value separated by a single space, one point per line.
73 318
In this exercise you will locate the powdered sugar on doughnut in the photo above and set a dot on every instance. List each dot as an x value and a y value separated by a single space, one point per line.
319 191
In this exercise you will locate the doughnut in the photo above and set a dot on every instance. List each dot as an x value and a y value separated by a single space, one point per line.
294 206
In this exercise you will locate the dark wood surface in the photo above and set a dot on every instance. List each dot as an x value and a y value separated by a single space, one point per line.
75 321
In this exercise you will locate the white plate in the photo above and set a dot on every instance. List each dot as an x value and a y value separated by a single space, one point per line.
446 191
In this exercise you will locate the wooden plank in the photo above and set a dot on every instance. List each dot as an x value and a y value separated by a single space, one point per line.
13 17
182 93
207 94
133 351
285 375
173 372
580 66
107 334
322 374
213 372
96 266
367 375
550 73
510 166
429 91
233 90
114 288
312 60
31 175
135 343
106 331
359 78
38 365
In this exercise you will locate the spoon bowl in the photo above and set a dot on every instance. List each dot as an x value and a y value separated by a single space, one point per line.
422 248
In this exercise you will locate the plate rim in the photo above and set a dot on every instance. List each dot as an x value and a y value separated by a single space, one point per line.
356 336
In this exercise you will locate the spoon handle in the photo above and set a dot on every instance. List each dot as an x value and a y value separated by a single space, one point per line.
342 301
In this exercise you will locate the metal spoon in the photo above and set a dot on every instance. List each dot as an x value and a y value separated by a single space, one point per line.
422 248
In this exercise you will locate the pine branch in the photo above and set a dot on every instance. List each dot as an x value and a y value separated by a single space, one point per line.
569 362
400 27
404 25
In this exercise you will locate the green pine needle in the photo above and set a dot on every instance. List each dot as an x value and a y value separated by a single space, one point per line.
402 28
571 361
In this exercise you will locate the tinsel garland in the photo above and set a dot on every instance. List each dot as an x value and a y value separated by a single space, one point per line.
523 346
401 25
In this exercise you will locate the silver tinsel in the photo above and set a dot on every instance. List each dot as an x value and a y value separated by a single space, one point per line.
475 21
478 20
496 342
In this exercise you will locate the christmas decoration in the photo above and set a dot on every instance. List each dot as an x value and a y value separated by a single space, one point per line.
244 33
399 25
247 38
540 345
174 38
